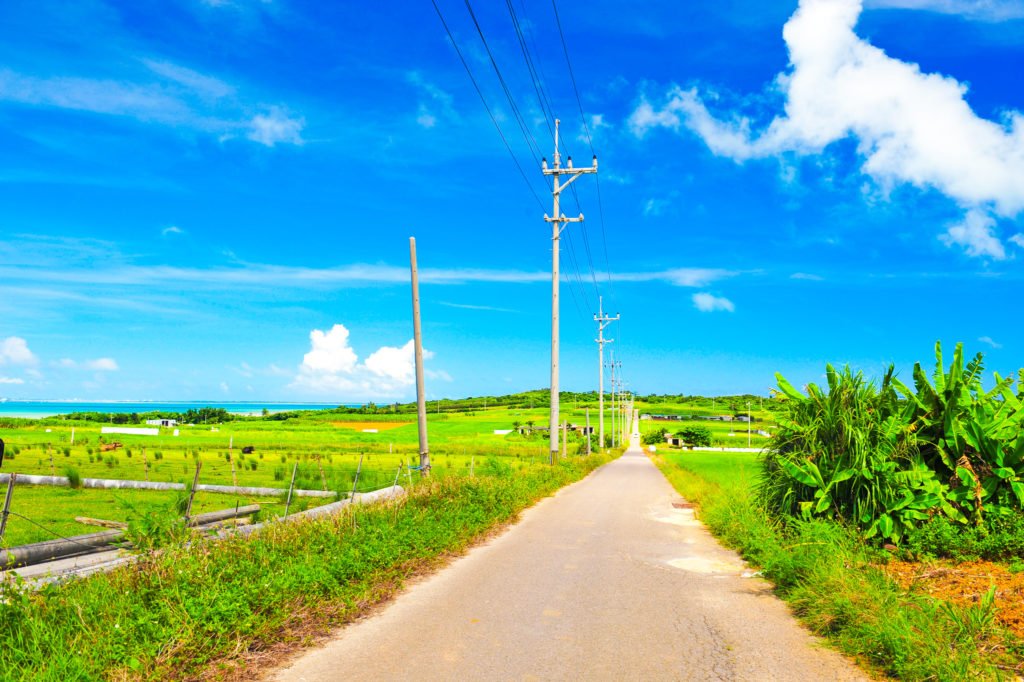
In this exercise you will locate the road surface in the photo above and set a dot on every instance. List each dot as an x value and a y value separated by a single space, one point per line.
604 581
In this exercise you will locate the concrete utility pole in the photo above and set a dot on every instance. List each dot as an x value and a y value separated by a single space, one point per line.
748 423
559 222
612 365
421 400
602 322
588 433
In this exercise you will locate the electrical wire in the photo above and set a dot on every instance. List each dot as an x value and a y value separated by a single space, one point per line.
586 128
469 72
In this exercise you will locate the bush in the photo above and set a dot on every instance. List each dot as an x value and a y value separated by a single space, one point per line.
654 437
67 451
128 453
697 436
74 478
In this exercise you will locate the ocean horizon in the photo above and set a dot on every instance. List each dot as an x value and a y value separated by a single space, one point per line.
38 409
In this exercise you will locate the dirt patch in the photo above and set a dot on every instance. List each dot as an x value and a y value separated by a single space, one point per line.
380 426
966 583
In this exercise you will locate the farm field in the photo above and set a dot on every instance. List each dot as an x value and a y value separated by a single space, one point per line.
723 434
324 448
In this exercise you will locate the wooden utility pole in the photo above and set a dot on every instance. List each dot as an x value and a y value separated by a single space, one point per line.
421 400
602 322
558 222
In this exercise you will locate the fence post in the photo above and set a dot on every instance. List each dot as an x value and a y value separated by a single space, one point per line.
397 474
7 506
355 482
145 464
49 451
471 461
288 502
320 464
192 493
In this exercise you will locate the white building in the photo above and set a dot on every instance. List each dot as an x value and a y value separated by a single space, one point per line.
166 423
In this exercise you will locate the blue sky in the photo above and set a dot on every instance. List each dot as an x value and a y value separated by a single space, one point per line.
213 200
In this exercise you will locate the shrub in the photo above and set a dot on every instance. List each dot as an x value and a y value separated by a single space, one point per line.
67 451
697 436
74 478
654 437
128 453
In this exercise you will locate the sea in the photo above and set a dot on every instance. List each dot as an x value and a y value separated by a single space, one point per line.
37 409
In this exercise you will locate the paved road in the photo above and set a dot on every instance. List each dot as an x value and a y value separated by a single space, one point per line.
605 581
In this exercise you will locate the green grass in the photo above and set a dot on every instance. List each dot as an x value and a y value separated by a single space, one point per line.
55 508
189 611
831 579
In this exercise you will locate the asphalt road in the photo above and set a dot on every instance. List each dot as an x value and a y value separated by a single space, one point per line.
604 581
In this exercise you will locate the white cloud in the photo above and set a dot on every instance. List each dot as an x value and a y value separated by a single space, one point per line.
332 367
395 363
1018 239
11 380
989 341
804 275
224 386
274 127
14 350
655 207
171 230
981 10
65 362
974 233
102 365
193 80
330 354
910 127
425 118
707 303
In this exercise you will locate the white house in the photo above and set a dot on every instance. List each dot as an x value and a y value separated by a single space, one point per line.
166 423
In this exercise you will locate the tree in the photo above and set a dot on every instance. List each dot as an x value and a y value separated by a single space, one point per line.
654 437
697 436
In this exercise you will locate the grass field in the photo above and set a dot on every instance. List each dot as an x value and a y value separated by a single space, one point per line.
731 434
325 448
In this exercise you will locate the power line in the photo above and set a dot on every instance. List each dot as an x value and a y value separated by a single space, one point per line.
469 72
579 103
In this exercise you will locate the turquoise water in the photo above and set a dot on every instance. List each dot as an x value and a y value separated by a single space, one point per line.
36 409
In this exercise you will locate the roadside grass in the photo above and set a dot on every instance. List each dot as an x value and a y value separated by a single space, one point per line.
834 582
209 608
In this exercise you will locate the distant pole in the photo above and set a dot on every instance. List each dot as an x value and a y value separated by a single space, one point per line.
192 492
72 435
613 398
602 322
291 487
565 438
748 423
558 222
588 432
421 400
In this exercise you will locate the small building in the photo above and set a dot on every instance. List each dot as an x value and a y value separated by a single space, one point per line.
166 423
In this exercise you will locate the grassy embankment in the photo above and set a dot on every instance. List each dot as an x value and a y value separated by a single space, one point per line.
834 581
312 440
188 611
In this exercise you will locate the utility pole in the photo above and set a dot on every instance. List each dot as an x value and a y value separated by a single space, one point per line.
558 222
421 399
612 365
748 423
602 322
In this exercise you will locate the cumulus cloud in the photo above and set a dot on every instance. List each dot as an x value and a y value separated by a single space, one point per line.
275 127
707 303
11 380
102 365
989 341
14 350
332 366
910 127
1018 239
330 354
